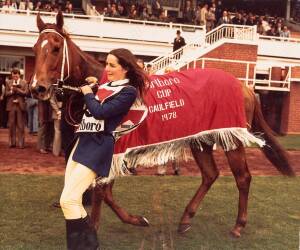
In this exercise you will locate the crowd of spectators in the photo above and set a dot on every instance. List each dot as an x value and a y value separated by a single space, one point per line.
19 109
11 6
210 13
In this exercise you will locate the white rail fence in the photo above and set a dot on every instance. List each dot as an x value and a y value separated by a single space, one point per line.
249 77
195 49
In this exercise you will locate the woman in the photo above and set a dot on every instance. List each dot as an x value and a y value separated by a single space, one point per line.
93 151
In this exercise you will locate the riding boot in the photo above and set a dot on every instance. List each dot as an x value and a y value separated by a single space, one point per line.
74 229
90 241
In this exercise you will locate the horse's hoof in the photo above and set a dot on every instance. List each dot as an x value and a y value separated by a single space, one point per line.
144 222
235 233
184 228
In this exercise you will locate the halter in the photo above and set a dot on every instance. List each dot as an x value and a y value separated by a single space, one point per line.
60 86
65 59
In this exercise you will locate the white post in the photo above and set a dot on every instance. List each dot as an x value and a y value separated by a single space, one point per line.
288 10
247 74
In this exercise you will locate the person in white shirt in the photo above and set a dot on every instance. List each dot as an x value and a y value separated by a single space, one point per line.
285 32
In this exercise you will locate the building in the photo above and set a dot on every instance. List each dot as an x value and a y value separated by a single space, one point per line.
270 64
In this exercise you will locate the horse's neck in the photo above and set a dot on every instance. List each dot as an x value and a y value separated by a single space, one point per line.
82 65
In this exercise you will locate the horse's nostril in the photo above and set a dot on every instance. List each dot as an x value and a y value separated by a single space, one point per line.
40 89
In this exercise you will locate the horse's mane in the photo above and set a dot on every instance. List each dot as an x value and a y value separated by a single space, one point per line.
93 67
85 56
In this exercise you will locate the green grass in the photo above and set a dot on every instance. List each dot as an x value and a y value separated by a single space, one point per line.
291 142
28 222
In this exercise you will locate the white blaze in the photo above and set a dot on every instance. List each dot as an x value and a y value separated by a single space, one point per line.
34 81
44 43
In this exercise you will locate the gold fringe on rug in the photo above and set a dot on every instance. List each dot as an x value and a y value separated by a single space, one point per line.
161 153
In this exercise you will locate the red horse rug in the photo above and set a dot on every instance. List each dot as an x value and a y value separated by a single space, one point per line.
199 105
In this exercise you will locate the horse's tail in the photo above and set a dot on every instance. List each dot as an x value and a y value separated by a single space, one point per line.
272 150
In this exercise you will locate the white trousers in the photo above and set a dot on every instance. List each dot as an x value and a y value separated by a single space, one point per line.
78 178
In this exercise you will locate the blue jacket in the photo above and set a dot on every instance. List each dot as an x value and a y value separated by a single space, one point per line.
95 150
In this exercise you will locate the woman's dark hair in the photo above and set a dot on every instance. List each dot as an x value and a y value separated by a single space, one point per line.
138 78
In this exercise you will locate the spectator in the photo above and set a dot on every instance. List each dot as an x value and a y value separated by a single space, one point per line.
149 69
169 70
28 5
38 6
237 19
188 13
203 14
260 28
251 20
32 114
141 63
69 8
156 8
121 11
178 41
265 24
285 32
144 14
8 7
279 27
140 5
45 131
219 10
16 89
105 12
198 15
3 112
210 19
272 32
225 19
133 12
114 12
162 17
56 116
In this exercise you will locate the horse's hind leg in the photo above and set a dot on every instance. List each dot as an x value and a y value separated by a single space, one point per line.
238 165
210 173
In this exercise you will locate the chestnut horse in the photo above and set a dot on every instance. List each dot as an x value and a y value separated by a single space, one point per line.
59 59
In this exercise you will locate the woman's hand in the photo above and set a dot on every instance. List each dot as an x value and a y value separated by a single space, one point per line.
86 89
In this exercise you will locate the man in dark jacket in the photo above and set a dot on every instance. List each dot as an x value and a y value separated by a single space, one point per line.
15 91
178 41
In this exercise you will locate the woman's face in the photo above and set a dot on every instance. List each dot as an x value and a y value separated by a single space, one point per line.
114 70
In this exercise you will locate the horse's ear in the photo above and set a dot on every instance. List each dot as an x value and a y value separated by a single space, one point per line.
40 23
60 20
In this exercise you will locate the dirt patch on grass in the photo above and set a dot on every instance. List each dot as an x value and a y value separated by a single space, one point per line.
29 160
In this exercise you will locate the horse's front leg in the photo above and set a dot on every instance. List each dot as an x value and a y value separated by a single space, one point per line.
123 215
104 192
97 198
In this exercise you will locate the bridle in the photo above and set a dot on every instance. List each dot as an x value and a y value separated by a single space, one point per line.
60 85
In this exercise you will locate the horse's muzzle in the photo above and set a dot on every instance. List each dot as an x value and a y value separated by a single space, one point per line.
40 92
40 89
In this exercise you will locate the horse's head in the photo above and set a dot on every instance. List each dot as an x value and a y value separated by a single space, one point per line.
51 57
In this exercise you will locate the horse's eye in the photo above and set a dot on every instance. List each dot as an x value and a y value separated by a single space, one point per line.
55 50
